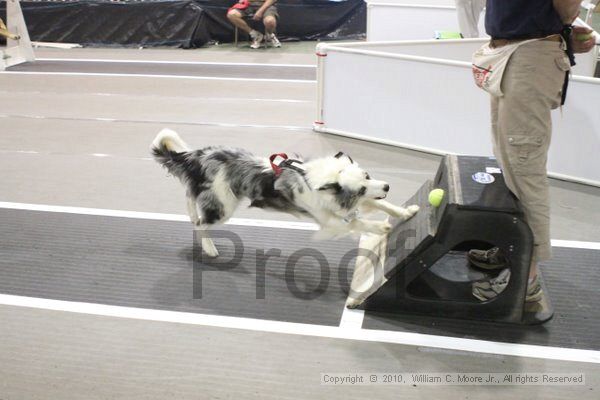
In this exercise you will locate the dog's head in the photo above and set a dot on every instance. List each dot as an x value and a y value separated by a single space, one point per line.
348 183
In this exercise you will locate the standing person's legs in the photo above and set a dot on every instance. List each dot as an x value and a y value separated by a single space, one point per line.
522 130
469 12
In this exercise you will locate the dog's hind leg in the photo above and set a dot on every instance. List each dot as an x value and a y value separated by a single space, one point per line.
200 230
192 210
214 206
206 243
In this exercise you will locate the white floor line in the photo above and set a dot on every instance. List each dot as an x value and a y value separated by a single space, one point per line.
307 226
352 319
122 61
194 97
163 122
156 76
334 332
574 244
350 324
233 221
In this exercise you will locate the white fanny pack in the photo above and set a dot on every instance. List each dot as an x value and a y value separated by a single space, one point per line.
489 65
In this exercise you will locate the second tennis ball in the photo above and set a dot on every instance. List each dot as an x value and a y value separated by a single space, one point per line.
582 37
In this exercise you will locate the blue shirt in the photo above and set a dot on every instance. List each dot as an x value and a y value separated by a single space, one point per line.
521 19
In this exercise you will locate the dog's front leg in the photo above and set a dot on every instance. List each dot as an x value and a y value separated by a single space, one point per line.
333 225
395 211
376 227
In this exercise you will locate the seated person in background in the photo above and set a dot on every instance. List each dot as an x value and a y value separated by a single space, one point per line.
257 10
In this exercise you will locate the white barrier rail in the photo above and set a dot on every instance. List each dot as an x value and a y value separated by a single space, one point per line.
420 95
388 20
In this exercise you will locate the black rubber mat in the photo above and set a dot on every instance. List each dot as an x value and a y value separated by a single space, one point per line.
149 264
142 68
572 279
152 264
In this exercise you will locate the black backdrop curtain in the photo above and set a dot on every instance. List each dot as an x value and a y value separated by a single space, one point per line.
181 23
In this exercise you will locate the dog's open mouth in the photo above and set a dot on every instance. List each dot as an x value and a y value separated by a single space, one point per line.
381 197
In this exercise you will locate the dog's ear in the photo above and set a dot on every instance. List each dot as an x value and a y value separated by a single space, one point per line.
341 154
334 187
344 197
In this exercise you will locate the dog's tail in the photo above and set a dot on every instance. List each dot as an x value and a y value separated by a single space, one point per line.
168 149
168 140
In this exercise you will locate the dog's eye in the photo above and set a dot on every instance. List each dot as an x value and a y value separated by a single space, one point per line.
367 176
362 191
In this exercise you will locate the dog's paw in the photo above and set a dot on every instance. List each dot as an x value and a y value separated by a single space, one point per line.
352 303
208 247
380 227
387 227
212 253
406 213
413 209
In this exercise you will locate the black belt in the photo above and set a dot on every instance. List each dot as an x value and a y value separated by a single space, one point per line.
495 43
566 35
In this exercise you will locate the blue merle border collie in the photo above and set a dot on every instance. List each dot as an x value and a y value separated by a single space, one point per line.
333 190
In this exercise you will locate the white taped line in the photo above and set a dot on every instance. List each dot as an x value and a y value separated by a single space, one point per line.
238 100
576 244
150 121
233 221
306 226
232 64
352 318
202 78
334 332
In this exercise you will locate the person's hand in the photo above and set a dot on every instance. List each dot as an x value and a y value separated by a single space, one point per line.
258 15
582 46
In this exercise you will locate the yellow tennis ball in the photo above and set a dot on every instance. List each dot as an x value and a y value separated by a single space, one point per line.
582 37
436 196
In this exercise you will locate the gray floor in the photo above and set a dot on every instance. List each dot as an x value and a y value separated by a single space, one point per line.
148 68
53 130
155 265
53 355
575 317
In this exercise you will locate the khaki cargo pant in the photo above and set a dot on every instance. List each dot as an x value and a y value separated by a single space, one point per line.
522 130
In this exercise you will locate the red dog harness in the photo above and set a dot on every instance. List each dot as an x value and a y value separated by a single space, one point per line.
288 163
276 168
